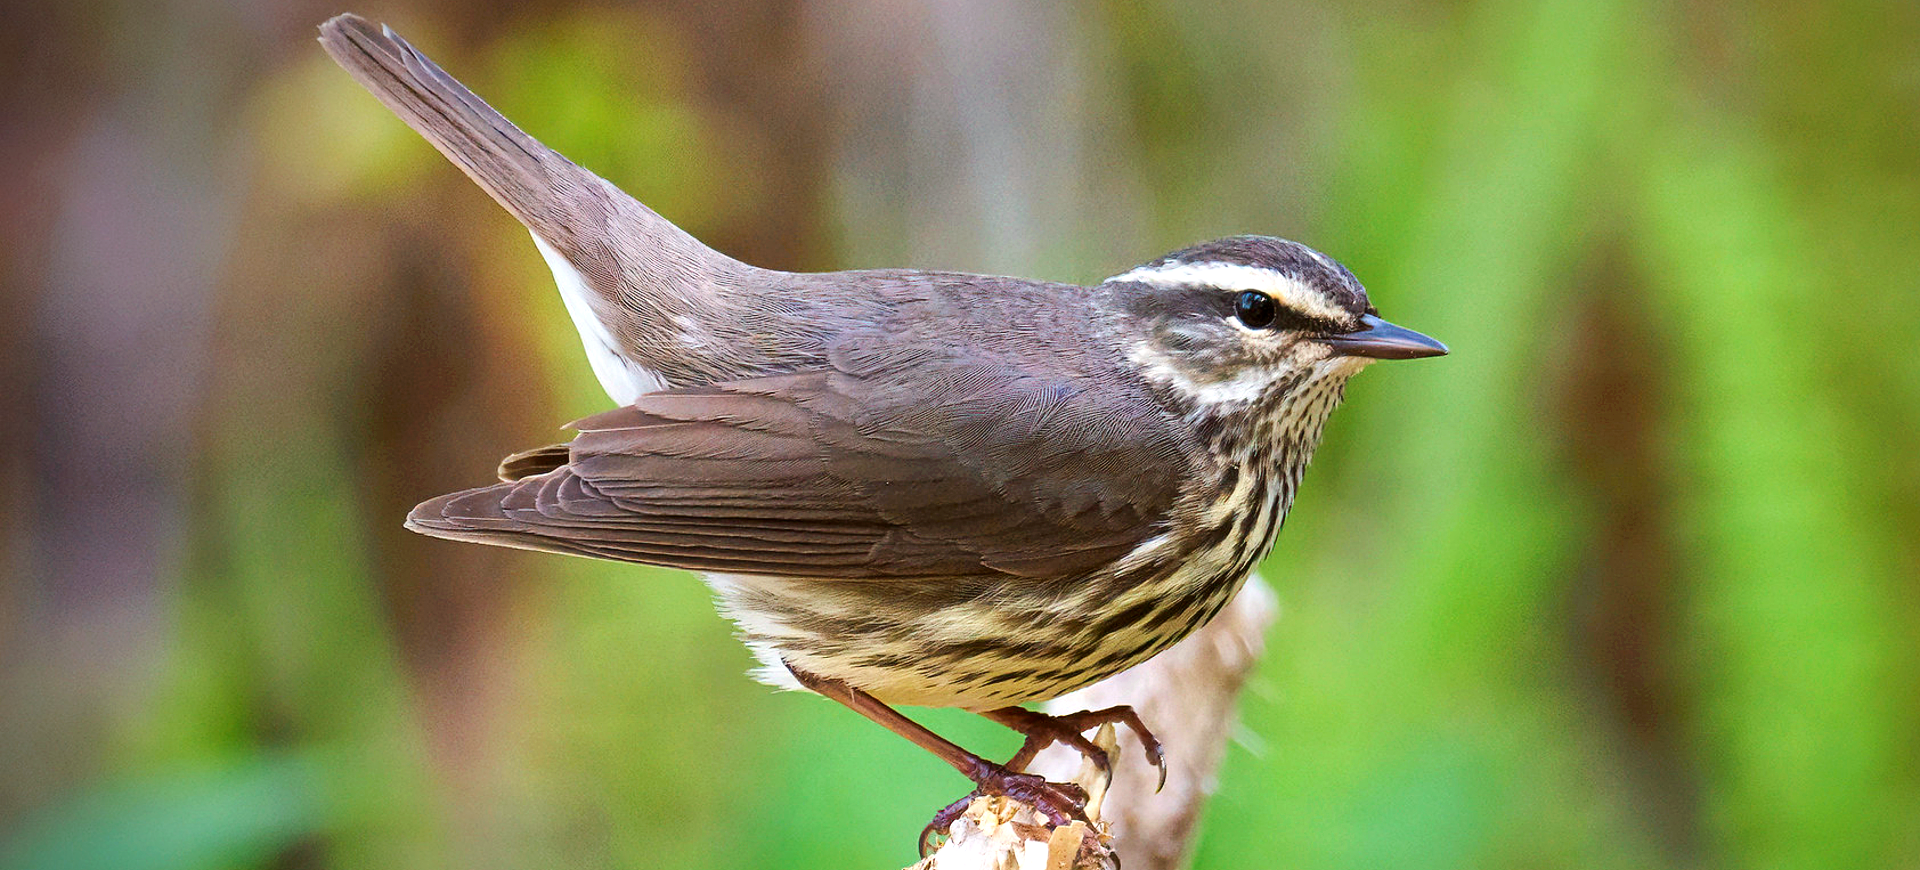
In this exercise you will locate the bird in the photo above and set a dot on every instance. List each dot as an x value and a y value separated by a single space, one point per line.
907 487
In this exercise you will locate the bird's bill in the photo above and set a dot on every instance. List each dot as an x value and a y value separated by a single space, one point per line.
1378 339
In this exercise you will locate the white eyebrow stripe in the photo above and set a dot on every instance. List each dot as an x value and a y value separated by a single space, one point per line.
1238 276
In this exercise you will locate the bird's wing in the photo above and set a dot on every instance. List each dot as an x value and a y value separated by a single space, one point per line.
967 471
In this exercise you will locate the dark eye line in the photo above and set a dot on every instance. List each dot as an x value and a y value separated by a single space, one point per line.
1278 316
1309 323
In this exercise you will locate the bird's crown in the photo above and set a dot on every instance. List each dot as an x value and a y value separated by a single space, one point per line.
1303 284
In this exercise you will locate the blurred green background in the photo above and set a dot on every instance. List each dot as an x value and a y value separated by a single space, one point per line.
1629 580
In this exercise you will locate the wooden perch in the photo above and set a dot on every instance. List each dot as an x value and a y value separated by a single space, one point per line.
1187 695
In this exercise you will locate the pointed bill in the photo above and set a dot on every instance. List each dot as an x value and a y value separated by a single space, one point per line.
1378 339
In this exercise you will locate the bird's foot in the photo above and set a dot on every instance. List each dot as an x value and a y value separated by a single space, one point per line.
1043 730
1061 803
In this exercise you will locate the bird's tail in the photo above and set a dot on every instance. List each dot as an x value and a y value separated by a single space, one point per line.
516 169
566 206
624 269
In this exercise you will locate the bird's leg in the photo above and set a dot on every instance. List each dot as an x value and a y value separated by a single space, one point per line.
1042 730
1061 803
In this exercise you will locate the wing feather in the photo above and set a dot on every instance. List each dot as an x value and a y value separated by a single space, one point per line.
981 471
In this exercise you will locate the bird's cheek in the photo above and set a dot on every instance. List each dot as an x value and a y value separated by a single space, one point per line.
1307 352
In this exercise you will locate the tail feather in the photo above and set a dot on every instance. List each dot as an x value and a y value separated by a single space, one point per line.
539 460
524 175
629 276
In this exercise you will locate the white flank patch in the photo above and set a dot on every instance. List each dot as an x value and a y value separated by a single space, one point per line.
773 667
622 380
1144 549
1236 276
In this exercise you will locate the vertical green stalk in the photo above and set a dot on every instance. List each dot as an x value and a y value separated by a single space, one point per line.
1794 642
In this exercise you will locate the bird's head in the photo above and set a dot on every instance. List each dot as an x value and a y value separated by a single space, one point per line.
1245 321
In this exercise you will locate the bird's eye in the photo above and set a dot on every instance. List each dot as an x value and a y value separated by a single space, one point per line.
1255 309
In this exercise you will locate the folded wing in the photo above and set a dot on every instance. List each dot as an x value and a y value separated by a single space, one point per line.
829 474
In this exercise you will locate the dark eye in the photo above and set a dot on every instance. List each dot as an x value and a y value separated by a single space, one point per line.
1255 309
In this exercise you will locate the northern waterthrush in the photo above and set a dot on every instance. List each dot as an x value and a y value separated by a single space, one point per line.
909 487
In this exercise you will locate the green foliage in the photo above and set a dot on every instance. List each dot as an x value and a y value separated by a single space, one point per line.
202 816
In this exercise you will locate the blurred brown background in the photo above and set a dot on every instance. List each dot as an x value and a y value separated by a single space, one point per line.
1629 580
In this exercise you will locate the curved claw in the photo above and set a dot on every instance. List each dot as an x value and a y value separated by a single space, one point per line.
1155 754
943 820
1042 729
1061 802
